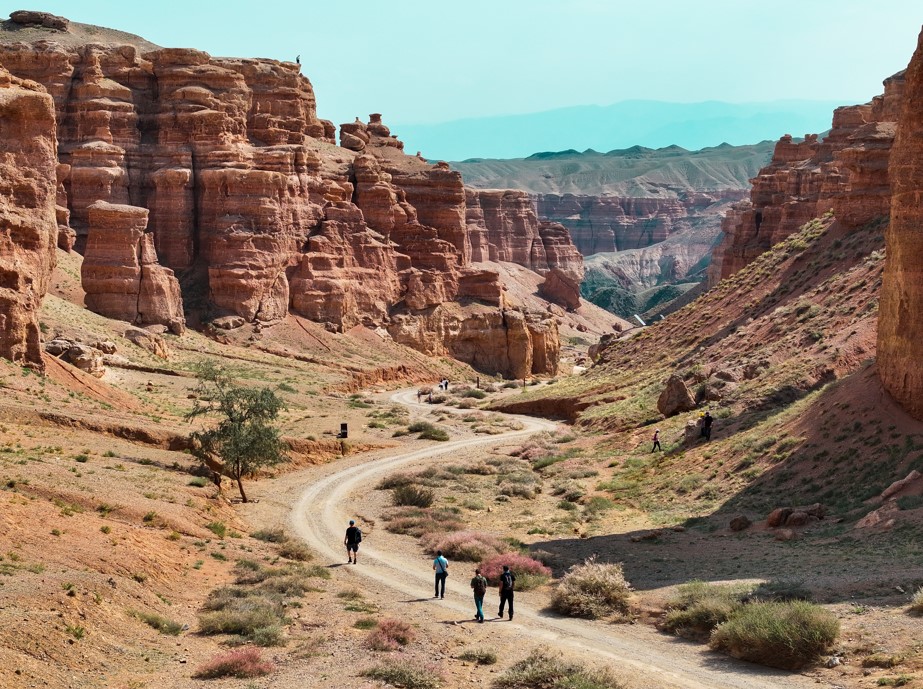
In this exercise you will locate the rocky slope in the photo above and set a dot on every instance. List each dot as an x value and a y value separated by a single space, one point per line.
258 212
28 227
846 171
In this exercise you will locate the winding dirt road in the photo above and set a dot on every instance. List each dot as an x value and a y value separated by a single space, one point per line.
647 657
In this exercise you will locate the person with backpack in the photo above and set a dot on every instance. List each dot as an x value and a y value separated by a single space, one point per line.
352 541
441 568
507 583
656 441
479 586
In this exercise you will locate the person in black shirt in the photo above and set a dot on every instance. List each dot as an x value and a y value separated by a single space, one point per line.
507 583
706 425
352 540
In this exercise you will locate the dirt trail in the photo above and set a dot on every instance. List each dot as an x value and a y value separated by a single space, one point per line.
651 659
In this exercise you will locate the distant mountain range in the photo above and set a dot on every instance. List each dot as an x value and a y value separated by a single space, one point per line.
654 124
636 171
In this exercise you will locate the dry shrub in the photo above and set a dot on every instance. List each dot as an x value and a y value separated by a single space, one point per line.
546 670
412 496
787 635
592 590
390 635
480 656
916 603
396 481
700 607
518 490
406 674
417 521
295 550
467 546
529 573
242 663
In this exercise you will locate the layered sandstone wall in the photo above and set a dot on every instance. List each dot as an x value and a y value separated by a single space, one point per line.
846 173
248 199
900 326
604 224
28 223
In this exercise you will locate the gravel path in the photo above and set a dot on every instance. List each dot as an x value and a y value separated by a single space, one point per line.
650 659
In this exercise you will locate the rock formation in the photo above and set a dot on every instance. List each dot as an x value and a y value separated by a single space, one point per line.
120 272
28 225
900 327
257 211
846 172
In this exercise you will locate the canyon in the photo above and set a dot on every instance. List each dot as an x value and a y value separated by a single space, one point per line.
198 188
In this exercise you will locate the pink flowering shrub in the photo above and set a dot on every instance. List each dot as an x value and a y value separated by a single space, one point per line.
241 662
390 635
529 573
467 546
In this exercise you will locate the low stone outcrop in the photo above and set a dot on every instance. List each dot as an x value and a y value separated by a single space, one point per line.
28 225
675 398
900 325
561 288
46 19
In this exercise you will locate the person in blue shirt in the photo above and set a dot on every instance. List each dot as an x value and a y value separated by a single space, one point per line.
441 568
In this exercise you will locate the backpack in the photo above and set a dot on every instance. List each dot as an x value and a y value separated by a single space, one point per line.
480 585
506 580
357 537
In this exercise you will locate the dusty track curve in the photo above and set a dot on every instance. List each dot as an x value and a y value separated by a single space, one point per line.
652 659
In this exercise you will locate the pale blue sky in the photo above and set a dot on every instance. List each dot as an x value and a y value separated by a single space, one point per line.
421 61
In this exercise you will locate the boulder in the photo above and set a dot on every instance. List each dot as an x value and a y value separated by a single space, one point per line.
797 518
46 19
85 358
152 342
898 486
740 523
675 398
560 288
778 516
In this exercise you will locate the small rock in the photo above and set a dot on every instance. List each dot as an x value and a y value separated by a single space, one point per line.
106 346
785 535
832 661
797 518
228 322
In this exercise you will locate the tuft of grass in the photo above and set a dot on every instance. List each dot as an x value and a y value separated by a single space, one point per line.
412 496
158 622
787 634
390 635
365 623
198 482
406 674
217 528
543 669
428 431
916 603
270 535
592 590
295 550
481 656
242 663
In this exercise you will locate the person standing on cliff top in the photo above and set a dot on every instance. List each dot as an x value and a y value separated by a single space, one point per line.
656 441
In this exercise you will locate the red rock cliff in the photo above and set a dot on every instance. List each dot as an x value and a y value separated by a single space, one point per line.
28 225
258 212
846 173
900 326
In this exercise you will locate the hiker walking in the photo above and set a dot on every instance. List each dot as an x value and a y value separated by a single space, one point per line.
507 583
351 541
656 441
419 396
298 59
706 425
441 568
479 586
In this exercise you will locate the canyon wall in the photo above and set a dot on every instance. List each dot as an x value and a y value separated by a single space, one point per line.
28 224
604 224
900 326
846 173
253 209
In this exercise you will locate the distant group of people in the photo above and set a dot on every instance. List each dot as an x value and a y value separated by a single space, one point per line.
479 583
442 385
704 431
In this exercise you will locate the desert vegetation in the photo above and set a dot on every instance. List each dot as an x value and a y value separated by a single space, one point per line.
592 590
543 668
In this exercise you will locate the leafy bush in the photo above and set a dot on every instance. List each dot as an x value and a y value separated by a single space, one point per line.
529 573
592 590
434 434
217 528
242 663
481 656
787 635
475 394
544 670
700 607
390 635
467 546
406 674
270 535
412 496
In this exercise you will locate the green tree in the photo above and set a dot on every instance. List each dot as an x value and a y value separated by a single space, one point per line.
245 438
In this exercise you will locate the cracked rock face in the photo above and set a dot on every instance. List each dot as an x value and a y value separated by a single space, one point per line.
900 324
28 225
